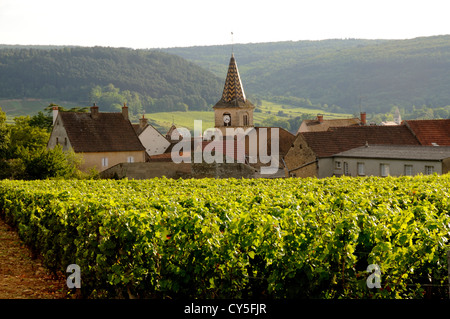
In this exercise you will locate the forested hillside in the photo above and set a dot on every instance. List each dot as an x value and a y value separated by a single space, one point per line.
341 74
147 80
333 76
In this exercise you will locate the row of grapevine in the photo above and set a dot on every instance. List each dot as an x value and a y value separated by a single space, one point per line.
230 238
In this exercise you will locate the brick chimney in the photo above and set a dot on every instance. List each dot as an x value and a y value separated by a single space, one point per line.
125 111
320 118
143 121
94 111
55 113
363 118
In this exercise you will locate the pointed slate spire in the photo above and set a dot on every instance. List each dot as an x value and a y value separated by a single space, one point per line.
233 90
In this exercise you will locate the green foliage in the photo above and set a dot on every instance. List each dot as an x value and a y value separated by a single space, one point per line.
75 74
46 163
275 121
267 238
24 153
4 134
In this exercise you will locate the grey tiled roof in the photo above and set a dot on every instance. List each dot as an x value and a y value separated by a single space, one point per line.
398 152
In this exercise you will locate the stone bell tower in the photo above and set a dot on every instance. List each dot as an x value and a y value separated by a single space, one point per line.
233 110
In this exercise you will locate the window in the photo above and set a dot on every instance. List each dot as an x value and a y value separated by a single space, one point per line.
337 165
345 168
65 141
104 161
57 141
429 170
408 170
245 120
384 169
130 159
361 171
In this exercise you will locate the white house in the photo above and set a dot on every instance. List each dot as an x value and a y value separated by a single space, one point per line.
384 160
153 141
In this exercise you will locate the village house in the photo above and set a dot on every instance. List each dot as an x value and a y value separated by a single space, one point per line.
153 141
103 139
388 160
320 124
302 159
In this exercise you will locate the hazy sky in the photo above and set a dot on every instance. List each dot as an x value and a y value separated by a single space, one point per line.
171 23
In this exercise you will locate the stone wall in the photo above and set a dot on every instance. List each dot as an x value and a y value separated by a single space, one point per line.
301 160
223 170
148 170
182 170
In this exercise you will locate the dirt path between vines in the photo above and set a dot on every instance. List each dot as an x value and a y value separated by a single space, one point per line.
21 276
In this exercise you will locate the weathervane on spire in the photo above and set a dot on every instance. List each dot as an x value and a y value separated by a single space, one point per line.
232 43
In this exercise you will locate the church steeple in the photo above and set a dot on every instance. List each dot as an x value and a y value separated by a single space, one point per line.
233 109
233 92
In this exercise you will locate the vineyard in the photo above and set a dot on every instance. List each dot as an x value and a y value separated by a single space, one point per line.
230 238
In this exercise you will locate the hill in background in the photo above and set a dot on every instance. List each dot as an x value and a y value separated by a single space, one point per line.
340 75
287 81
148 81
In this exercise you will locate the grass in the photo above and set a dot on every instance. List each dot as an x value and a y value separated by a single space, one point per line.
28 106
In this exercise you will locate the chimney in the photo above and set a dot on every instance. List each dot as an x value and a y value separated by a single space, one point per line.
55 113
143 121
125 111
363 118
94 111
320 118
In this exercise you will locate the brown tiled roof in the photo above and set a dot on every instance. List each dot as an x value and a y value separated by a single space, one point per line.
340 139
285 141
107 132
431 131
316 126
233 92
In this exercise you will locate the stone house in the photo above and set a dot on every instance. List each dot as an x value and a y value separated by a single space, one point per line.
385 160
308 148
103 139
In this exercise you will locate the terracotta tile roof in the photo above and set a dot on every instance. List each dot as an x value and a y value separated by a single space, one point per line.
107 132
317 126
220 148
165 157
431 131
340 139
285 141
285 137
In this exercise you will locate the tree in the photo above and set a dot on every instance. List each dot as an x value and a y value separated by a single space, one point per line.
274 121
24 135
48 163
4 133
41 120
